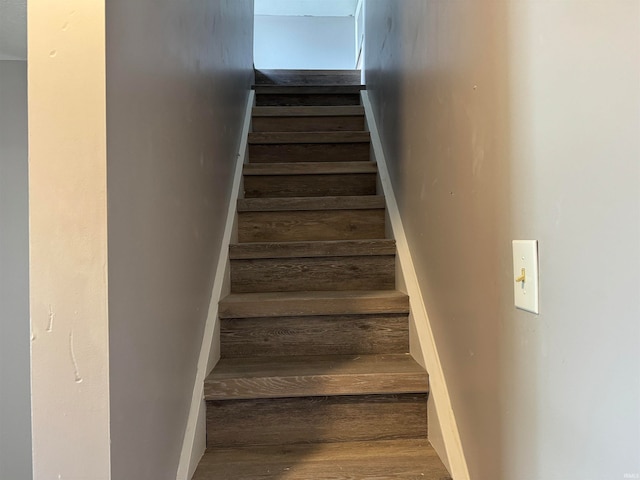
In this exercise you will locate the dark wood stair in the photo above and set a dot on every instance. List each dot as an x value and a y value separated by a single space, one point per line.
282 147
312 266
308 119
314 376
308 77
308 96
315 379
291 304
412 459
311 218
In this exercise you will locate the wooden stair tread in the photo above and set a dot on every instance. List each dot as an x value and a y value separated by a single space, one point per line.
309 111
384 459
364 202
308 89
289 304
309 168
268 138
333 248
316 375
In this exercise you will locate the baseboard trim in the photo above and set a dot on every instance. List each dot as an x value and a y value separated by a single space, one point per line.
427 346
193 445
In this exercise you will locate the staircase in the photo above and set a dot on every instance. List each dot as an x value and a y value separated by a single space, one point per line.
315 381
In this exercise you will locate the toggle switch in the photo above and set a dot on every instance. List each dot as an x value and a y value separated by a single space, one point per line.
525 275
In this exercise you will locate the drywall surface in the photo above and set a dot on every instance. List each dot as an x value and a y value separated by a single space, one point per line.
68 241
178 76
15 399
294 42
316 8
520 120
13 29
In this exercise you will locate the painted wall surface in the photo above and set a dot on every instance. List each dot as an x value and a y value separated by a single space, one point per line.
178 76
68 240
293 42
15 396
13 29
520 120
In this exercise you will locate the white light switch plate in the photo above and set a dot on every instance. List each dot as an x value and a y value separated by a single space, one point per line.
525 256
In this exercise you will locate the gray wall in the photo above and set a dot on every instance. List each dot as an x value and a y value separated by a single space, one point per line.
15 396
520 120
178 77
297 42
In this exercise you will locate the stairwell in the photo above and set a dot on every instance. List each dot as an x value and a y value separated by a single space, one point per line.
315 380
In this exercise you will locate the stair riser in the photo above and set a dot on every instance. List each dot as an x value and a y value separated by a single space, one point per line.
313 274
308 124
317 335
298 100
316 419
288 226
309 152
262 186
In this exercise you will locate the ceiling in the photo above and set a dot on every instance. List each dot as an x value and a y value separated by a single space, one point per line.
13 29
314 8
13 18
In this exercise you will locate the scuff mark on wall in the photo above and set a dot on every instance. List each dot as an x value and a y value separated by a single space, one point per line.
52 317
477 142
78 378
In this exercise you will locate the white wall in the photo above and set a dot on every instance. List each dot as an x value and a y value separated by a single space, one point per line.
178 77
15 396
68 240
295 42
520 120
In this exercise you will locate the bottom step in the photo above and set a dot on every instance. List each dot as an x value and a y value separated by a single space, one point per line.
397 459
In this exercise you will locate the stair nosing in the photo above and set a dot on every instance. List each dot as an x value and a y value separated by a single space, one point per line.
308 89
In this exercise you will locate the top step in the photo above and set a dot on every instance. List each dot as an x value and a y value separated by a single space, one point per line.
308 77
308 89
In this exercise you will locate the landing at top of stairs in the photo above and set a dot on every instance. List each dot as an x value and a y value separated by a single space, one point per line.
308 77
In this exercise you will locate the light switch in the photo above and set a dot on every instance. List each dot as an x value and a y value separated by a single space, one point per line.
525 275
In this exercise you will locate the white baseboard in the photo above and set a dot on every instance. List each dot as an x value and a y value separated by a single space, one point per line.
423 345
194 442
